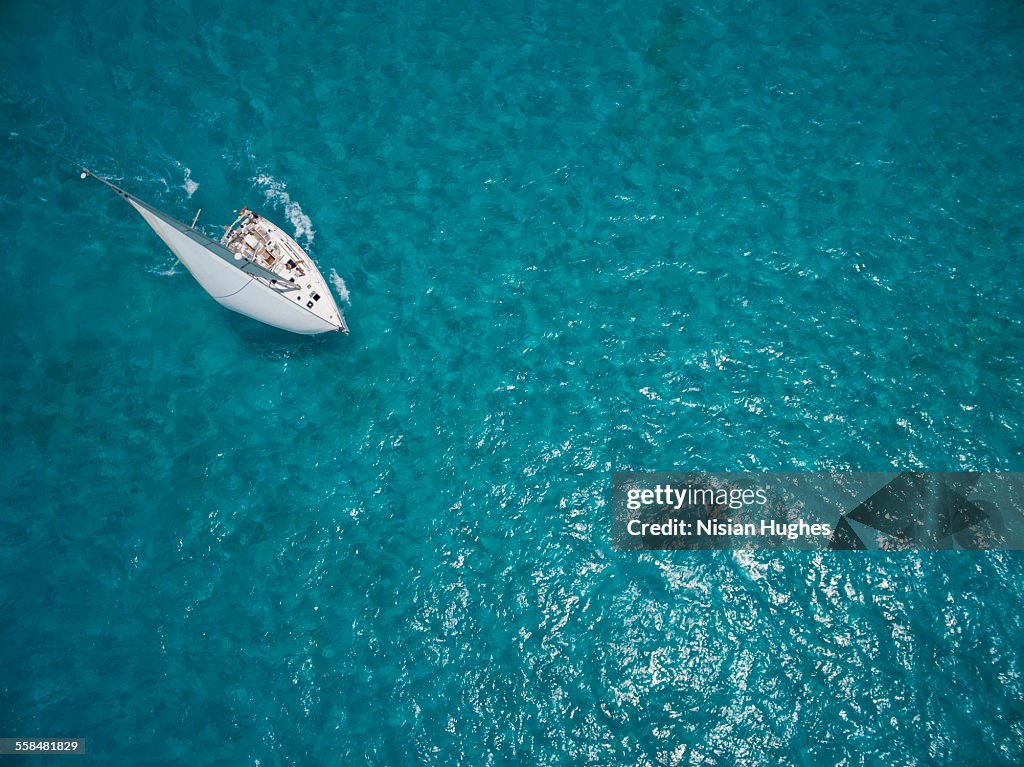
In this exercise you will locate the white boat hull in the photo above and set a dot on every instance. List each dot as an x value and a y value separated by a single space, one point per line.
233 288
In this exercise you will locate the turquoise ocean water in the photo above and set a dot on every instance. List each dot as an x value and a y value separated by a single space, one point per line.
572 238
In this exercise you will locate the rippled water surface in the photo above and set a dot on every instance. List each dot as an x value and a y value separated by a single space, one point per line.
572 238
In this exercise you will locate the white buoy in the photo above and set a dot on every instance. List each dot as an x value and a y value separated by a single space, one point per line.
84 174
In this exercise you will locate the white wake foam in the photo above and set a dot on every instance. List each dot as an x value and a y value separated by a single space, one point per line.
339 286
189 186
168 268
276 192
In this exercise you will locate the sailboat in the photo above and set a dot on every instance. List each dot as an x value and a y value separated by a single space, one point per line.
256 269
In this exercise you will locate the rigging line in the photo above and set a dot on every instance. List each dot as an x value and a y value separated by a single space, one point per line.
51 151
251 278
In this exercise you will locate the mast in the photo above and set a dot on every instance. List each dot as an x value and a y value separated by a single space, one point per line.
189 231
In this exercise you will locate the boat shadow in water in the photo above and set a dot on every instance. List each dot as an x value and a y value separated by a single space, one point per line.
270 342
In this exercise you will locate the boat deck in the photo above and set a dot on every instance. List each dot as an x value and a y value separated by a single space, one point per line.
253 238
